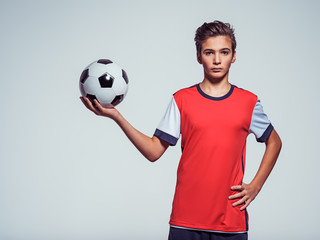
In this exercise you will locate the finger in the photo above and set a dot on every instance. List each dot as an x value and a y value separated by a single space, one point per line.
97 105
83 101
86 102
241 201
245 205
90 106
237 188
90 103
237 195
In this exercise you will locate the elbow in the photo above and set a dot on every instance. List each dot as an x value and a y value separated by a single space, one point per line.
153 158
275 140
276 143
280 144
156 150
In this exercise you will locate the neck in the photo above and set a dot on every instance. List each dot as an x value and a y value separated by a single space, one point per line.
215 88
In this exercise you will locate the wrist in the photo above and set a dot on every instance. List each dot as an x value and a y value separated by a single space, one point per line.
116 116
256 186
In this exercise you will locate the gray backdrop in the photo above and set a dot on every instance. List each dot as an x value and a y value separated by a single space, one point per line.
68 174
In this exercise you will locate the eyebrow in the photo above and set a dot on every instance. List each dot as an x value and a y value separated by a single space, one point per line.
222 49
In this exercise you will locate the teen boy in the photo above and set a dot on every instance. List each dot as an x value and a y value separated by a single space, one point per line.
214 119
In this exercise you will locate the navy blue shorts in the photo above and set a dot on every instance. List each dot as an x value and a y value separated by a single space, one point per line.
186 234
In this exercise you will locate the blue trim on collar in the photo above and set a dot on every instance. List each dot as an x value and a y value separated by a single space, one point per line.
215 98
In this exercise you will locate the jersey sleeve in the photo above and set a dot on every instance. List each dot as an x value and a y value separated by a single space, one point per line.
169 127
260 125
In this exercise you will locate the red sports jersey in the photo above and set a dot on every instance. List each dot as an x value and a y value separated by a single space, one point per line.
214 132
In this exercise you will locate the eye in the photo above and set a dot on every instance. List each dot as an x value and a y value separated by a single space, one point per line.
208 53
225 52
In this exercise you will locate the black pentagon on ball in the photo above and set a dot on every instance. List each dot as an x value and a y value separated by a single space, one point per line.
118 99
104 61
84 75
106 80
125 76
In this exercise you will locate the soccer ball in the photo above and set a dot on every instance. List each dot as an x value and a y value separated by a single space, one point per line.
105 81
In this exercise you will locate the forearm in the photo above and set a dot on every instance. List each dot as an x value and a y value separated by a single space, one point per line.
150 147
273 147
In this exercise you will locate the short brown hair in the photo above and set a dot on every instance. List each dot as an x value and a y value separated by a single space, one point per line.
214 29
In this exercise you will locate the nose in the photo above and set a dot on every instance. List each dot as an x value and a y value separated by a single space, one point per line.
216 59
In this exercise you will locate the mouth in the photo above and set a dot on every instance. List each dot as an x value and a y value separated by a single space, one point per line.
216 69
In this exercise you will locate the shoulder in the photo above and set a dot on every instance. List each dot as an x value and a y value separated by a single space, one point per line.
243 93
186 90
186 96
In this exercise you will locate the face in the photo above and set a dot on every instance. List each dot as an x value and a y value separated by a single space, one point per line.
216 58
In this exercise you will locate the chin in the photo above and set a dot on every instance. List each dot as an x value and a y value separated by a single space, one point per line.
216 77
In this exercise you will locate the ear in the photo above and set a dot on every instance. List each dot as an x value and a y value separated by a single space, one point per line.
233 57
199 57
